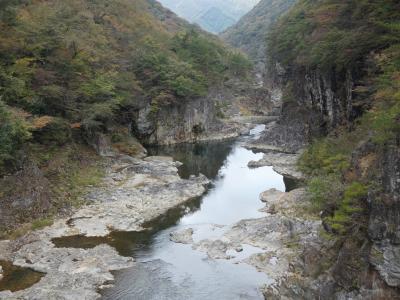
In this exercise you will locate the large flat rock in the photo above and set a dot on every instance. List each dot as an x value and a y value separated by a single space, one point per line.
134 192
283 163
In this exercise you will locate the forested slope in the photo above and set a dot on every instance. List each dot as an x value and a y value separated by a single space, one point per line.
86 64
74 73
250 33
338 64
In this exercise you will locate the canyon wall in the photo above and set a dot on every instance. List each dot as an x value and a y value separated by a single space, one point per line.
334 104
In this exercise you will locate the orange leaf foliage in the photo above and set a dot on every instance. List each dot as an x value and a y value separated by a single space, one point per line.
41 122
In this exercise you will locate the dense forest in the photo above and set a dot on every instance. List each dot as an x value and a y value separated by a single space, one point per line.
83 65
360 37
338 64
73 73
86 85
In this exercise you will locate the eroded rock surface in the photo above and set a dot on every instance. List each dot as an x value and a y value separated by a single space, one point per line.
192 121
182 237
283 163
215 249
134 192
70 273
280 236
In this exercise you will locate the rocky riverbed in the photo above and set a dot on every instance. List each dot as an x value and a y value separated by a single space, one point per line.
277 238
135 191
284 243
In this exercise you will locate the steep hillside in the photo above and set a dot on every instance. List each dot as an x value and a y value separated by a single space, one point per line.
211 15
250 33
338 65
102 73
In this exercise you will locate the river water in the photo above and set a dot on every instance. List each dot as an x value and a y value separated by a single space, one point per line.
167 270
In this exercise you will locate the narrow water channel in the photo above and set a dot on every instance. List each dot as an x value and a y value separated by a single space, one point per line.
167 270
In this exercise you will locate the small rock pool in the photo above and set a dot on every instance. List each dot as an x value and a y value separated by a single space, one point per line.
168 270
16 278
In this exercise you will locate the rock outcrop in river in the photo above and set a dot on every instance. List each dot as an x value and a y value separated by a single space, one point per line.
134 192
287 241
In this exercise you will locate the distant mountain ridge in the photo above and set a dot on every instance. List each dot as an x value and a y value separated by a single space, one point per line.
212 15
214 20
249 34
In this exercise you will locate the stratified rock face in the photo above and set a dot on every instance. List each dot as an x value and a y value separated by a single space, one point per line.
292 132
319 101
328 93
317 106
188 121
384 222
313 103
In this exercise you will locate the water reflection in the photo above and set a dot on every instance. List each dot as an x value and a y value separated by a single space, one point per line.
167 270
17 278
205 158
129 243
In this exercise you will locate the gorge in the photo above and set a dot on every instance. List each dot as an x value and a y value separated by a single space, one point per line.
142 157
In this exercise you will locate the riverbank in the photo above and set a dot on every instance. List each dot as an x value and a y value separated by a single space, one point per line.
284 243
134 192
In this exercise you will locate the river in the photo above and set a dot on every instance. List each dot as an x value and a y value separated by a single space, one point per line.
168 270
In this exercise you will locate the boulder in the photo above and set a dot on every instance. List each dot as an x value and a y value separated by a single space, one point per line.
182 237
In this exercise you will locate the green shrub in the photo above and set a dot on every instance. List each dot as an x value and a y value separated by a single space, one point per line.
198 129
41 223
170 76
324 157
324 190
350 204
13 134
326 161
239 64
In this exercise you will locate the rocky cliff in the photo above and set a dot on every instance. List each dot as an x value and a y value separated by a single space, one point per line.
338 76
207 118
78 74
315 102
